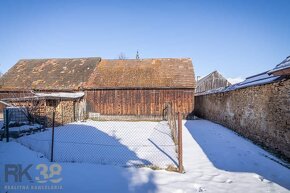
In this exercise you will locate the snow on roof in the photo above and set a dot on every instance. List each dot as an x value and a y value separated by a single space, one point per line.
6 104
41 96
74 95
259 79
283 65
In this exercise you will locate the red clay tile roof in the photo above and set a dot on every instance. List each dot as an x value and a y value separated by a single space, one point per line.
96 73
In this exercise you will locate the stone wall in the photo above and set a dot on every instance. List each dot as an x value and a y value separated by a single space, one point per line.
260 113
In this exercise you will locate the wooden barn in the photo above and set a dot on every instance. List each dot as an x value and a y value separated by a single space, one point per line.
131 87
212 81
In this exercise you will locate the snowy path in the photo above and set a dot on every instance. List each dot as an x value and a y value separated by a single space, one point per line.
215 160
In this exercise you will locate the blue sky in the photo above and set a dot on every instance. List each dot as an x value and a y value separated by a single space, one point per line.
237 38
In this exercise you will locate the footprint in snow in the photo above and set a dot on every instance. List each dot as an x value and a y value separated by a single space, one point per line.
199 188
178 191
259 177
262 179
229 181
222 179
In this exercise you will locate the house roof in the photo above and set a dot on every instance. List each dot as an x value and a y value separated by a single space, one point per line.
97 73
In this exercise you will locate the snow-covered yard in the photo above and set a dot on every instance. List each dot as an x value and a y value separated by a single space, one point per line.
215 160
114 143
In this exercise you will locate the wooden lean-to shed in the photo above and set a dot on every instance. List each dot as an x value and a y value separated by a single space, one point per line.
41 105
52 76
130 87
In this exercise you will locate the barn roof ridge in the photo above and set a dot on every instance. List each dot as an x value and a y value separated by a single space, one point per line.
213 72
95 72
182 58
61 58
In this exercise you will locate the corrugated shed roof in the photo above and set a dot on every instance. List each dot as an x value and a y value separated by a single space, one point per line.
72 95
94 73
44 96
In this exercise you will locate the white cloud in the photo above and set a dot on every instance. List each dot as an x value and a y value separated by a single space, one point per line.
235 80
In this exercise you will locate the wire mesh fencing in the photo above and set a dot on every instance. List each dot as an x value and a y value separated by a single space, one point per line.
153 144
174 120
18 122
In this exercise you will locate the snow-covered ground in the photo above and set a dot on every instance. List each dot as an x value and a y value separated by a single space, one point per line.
215 160
128 143
25 128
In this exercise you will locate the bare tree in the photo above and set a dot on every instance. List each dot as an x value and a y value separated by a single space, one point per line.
122 56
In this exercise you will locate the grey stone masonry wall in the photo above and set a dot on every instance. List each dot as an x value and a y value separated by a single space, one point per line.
260 113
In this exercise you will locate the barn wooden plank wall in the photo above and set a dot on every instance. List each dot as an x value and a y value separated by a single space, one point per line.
138 101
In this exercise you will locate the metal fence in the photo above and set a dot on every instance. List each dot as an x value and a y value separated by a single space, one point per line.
154 144
174 120
18 122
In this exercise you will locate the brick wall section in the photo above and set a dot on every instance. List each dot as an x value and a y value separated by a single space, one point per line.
260 113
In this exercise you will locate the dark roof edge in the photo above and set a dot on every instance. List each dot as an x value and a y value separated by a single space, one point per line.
150 59
88 89
257 75
138 88
25 59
